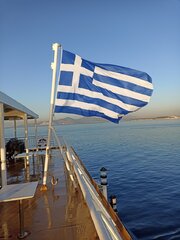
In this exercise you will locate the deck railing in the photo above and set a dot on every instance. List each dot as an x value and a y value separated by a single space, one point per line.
107 223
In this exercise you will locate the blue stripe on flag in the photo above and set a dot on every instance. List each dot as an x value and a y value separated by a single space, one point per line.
88 65
84 112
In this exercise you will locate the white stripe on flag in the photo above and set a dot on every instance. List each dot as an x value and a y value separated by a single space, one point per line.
86 106
121 91
123 77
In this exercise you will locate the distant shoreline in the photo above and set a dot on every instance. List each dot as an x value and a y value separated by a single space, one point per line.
92 120
71 121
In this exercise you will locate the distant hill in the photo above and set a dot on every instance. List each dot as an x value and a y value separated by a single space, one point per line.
83 120
91 120
70 121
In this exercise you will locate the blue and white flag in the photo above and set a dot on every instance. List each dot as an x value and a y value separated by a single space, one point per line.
102 90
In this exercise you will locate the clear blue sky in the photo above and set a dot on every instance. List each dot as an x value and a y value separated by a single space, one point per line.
139 34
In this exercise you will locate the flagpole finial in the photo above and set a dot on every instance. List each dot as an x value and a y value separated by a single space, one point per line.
55 46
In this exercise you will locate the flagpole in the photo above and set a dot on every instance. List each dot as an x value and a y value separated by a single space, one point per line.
55 48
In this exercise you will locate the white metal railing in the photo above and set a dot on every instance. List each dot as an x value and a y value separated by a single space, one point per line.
104 224
103 221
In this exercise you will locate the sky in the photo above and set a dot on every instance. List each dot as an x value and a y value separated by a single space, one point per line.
139 34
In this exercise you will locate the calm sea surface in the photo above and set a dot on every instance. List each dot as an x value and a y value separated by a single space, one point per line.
143 162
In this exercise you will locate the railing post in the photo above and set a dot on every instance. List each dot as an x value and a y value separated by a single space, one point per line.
15 129
113 202
26 139
103 176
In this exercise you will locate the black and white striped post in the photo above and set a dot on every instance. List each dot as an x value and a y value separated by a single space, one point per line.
103 176
113 202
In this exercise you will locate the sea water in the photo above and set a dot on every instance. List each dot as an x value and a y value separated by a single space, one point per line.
143 163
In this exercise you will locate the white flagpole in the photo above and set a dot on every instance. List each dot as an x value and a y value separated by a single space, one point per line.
55 48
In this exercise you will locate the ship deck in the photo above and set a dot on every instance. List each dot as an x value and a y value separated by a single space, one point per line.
58 213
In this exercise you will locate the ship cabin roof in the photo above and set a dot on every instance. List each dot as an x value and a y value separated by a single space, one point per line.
14 110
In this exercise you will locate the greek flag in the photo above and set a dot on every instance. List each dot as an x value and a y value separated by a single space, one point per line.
102 90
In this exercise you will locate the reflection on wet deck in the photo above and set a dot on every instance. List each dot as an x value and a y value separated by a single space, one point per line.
58 213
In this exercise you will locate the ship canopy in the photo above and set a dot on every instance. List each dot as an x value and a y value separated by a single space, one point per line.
15 110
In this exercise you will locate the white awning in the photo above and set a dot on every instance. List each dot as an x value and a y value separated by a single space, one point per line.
14 109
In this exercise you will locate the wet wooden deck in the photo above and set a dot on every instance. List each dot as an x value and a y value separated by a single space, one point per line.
58 213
